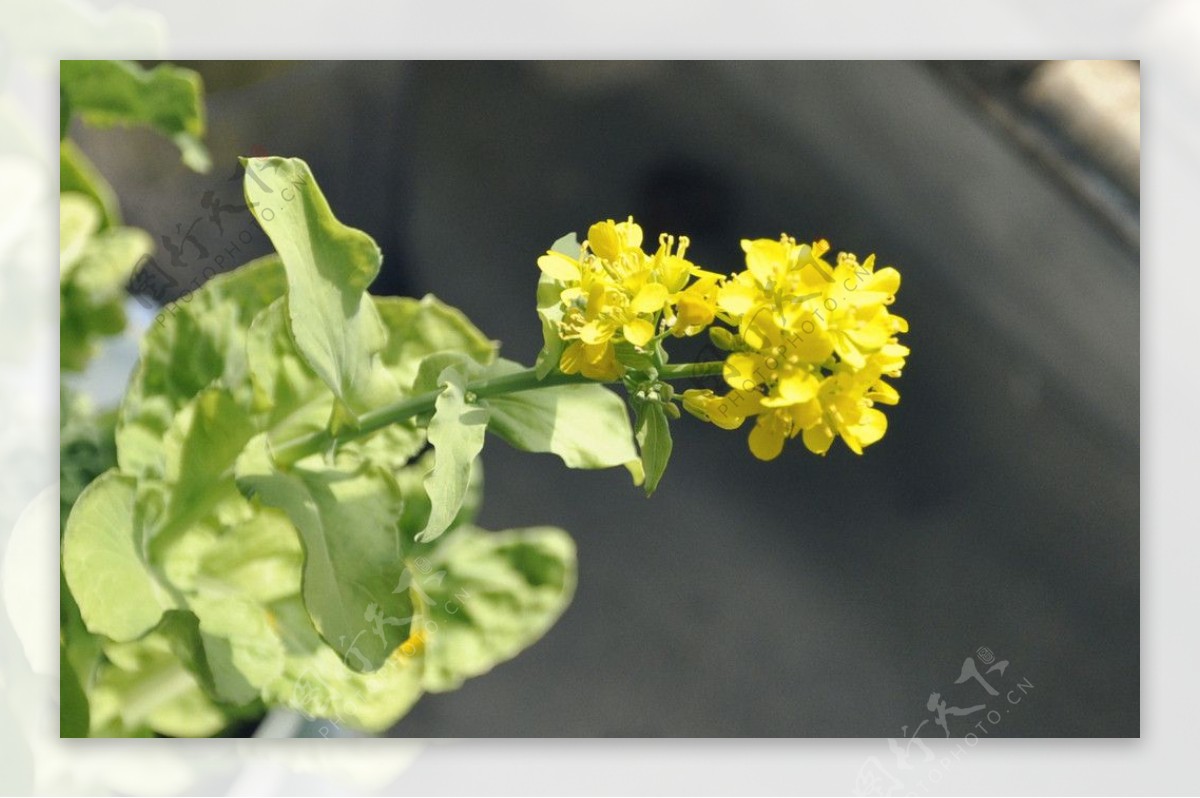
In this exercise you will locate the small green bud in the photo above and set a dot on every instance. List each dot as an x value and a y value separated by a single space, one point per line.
722 339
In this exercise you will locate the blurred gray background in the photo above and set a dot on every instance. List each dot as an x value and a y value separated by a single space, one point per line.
807 596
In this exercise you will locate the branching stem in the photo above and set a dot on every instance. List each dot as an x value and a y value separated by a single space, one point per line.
410 407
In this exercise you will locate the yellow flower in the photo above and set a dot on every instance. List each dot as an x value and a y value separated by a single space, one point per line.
809 340
614 293
695 308
847 400
813 340
727 412
778 274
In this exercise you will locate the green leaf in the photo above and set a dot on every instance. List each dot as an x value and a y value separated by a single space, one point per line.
260 558
654 438
550 310
488 596
431 367
253 628
207 659
292 401
192 344
417 328
226 576
235 638
415 517
334 323
316 682
167 98
298 403
78 221
73 717
82 649
77 174
117 595
456 433
235 644
346 514
201 447
147 688
107 261
93 270
586 425
86 450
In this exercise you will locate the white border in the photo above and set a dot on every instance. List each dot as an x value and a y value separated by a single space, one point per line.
1163 34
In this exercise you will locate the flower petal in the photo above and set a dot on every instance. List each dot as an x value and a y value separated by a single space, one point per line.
650 298
572 358
736 298
603 239
560 267
818 438
595 332
871 426
799 386
766 439
743 371
883 393
639 332
765 258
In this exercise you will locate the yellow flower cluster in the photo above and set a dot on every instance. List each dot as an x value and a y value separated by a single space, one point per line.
813 342
809 341
615 294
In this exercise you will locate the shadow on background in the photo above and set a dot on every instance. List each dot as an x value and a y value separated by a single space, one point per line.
807 596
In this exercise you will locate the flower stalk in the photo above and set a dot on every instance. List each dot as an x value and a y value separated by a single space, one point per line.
410 407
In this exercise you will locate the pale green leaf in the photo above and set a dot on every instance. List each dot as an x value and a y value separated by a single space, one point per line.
78 220
201 447
456 433
488 596
316 682
77 174
550 309
86 447
207 659
416 328
117 594
93 272
291 399
252 620
192 344
227 639
259 558
431 367
107 261
415 517
167 98
654 438
241 651
586 424
83 650
82 323
295 402
334 323
146 688
346 514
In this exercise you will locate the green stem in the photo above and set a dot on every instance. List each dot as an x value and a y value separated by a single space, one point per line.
410 407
